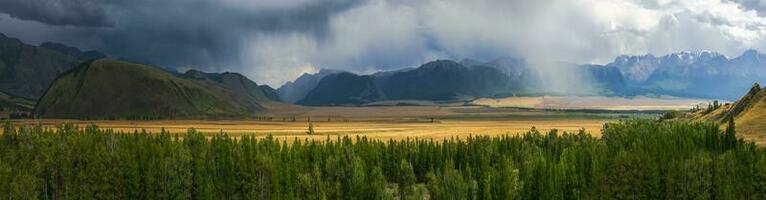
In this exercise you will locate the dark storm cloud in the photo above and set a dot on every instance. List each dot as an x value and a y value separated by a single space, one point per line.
205 33
58 12
273 41
178 33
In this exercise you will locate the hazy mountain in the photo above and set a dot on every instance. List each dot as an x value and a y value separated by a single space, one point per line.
516 68
449 80
108 88
694 73
295 90
606 80
270 93
72 51
523 78
635 69
26 70
470 62
343 89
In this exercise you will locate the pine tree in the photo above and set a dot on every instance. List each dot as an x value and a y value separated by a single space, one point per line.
730 137
406 179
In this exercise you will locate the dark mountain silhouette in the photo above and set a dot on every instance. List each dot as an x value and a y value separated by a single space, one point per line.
444 79
26 70
10 103
343 89
449 80
296 90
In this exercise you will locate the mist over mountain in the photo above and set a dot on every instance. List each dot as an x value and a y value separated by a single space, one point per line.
450 80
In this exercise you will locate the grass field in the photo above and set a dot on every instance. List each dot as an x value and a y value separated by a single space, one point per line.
374 129
384 122
387 122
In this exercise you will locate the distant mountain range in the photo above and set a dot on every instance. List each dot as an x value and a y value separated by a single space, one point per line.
342 89
294 91
116 89
703 74
698 74
446 80
27 71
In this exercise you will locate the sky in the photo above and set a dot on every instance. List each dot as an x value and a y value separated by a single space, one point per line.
274 41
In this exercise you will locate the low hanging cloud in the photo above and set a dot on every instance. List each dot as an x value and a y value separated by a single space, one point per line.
273 41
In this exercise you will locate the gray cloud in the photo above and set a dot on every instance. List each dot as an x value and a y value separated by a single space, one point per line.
176 33
200 33
757 5
273 41
58 12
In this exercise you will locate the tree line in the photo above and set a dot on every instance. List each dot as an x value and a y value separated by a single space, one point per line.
633 159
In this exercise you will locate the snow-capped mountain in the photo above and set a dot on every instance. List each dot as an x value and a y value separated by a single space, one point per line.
694 73
636 69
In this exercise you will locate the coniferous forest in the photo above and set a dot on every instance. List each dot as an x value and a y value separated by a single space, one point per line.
634 159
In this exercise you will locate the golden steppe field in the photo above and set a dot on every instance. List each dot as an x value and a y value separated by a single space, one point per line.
376 122
429 120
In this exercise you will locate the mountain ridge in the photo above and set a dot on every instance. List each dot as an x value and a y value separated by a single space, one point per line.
117 89
26 70
73 51
694 73
294 91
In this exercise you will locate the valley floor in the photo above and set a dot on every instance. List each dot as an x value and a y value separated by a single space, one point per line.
323 129
383 122
386 122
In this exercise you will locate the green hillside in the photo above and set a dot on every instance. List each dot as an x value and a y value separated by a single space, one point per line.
116 89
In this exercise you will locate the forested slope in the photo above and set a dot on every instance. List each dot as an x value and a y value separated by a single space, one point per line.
637 159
